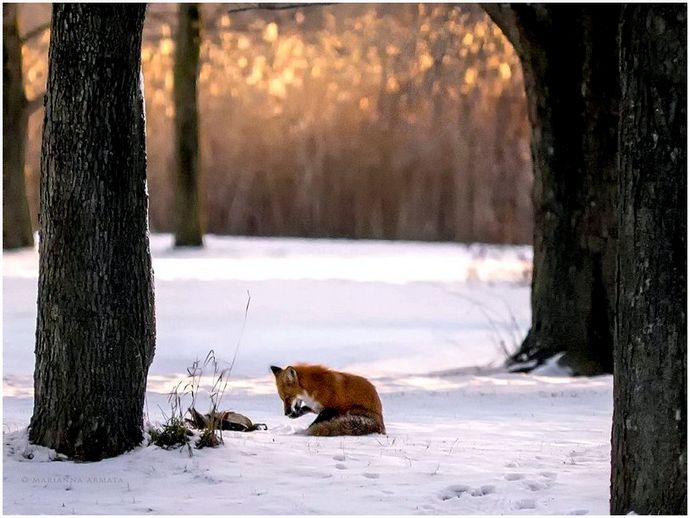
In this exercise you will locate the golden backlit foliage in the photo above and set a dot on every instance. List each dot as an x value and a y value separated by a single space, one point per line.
35 65
358 120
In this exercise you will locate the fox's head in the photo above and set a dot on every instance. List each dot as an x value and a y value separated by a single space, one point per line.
296 400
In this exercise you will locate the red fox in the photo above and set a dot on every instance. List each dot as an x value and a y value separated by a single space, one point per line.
346 404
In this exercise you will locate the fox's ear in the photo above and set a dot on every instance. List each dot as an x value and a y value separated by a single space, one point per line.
276 370
291 374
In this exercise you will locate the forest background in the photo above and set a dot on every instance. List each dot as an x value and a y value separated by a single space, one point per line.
397 121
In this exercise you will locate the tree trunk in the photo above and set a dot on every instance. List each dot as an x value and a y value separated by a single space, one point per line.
570 65
187 202
95 332
649 455
16 222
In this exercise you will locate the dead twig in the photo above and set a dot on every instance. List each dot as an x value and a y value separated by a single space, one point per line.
36 31
276 7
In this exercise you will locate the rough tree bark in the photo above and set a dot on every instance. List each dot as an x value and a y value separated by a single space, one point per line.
16 221
95 331
649 455
570 65
188 229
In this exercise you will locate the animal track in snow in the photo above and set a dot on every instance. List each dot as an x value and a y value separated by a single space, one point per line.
311 473
457 490
534 486
454 491
484 490
371 475
514 476
526 503
340 466
338 457
579 511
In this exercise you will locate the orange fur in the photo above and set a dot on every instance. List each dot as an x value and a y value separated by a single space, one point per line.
347 404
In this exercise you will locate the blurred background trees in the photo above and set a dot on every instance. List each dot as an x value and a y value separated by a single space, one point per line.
188 231
17 108
363 121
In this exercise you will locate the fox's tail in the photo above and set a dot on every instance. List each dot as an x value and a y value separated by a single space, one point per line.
348 425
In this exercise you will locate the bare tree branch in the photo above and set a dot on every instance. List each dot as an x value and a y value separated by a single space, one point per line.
163 17
277 7
36 31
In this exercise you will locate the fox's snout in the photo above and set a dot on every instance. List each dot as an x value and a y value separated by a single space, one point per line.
297 409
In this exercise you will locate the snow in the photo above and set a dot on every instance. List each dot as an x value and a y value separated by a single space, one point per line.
552 367
426 322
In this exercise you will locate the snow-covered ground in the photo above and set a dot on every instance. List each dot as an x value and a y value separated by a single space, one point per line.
428 323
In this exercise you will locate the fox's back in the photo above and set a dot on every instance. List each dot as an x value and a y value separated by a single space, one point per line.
340 391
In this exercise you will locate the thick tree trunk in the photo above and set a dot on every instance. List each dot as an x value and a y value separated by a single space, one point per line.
649 455
570 64
95 332
16 222
188 230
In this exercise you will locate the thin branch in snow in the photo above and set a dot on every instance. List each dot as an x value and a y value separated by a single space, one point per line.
453 445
